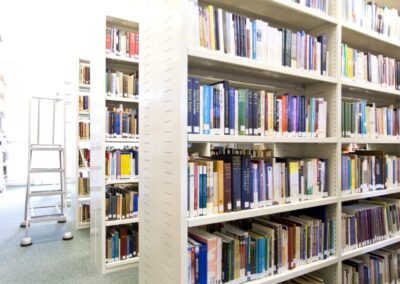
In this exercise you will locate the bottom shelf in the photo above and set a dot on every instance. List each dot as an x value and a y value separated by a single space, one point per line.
298 271
121 264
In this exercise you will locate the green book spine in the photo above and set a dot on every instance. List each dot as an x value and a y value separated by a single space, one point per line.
242 112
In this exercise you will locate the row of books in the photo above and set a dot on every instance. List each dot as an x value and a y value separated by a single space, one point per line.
122 122
122 242
122 201
216 29
380 266
321 5
83 103
84 130
84 73
122 163
219 109
369 221
256 248
84 157
361 119
372 16
365 66
122 43
83 186
84 213
368 170
234 179
119 84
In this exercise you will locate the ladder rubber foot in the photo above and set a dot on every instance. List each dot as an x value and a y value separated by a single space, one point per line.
23 224
61 221
68 236
26 242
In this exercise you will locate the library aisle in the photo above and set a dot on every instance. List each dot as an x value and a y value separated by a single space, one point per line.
49 259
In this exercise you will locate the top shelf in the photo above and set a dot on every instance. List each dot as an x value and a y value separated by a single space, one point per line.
281 12
361 38
202 61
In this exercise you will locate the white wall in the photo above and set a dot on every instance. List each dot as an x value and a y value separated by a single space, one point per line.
43 41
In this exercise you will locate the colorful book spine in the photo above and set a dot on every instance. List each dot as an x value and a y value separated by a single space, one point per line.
121 201
121 85
121 164
83 103
122 43
224 110
241 180
365 66
258 248
122 122
122 242
84 73
220 30
369 221
84 130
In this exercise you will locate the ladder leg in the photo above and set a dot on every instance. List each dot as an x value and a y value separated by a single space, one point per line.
28 188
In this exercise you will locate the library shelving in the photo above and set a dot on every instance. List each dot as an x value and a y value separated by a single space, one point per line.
112 97
83 148
165 142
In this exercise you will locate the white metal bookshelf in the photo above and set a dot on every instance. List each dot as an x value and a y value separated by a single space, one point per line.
82 170
163 121
99 142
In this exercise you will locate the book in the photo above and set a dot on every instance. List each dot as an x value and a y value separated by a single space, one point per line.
84 73
122 43
83 212
218 109
122 201
235 179
84 130
361 119
364 171
122 242
260 247
369 221
367 67
225 32
83 103
121 163
372 16
122 122
380 266
320 5
122 85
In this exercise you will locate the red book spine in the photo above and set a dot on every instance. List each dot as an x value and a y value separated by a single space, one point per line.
108 40
137 45
131 44
284 114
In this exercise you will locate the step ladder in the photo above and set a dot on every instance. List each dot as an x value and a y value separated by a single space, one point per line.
55 109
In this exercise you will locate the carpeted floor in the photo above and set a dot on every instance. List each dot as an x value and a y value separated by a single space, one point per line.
49 259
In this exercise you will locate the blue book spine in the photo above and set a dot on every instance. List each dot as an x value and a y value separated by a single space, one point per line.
203 264
231 94
249 112
246 185
190 106
310 44
204 189
196 105
254 38
289 113
206 109
135 203
217 110
200 201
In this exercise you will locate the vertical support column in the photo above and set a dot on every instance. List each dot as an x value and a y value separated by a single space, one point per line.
163 142
338 117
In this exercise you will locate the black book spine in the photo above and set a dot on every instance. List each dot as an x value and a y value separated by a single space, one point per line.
216 27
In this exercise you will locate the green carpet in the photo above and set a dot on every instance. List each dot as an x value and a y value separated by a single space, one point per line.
49 259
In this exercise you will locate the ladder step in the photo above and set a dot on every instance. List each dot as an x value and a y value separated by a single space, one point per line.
45 192
46 170
47 149
47 218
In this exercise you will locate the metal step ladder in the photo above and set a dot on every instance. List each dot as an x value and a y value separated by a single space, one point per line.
55 108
